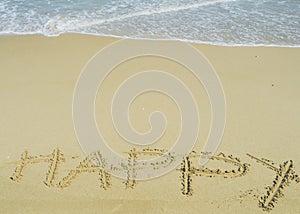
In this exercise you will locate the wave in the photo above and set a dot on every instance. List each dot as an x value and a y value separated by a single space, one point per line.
81 24
216 22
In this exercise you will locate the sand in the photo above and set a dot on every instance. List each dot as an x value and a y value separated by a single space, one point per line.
43 169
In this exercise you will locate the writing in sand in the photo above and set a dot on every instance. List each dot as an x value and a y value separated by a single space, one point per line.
284 172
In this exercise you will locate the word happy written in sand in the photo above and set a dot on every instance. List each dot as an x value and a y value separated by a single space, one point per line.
284 172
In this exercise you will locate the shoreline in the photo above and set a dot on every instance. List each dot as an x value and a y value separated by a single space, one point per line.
193 42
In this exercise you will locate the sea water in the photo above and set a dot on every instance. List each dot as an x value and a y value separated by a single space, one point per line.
220 22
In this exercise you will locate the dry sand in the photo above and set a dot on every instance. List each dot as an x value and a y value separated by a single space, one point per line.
43 170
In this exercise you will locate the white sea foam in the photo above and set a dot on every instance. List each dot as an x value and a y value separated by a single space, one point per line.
74 24
220 22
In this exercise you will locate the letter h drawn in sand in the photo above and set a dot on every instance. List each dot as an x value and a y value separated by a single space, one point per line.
54 159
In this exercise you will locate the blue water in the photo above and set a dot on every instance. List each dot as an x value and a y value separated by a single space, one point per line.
221 22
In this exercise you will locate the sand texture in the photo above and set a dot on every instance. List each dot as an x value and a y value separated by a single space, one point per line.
43 169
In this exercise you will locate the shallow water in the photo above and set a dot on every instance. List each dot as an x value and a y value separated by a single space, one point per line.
222 22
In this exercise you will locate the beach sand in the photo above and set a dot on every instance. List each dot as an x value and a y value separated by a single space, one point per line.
37 79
